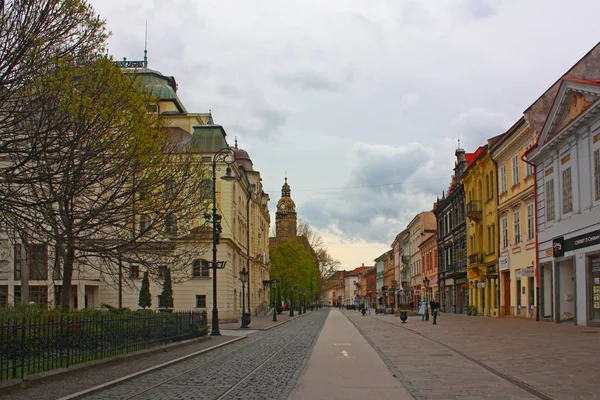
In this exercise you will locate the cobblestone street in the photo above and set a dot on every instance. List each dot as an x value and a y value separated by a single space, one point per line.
265 365
483 358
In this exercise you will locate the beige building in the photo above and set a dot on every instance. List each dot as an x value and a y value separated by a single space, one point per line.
516 215
419 229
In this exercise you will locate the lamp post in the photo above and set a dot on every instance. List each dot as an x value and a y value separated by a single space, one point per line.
393 299
274 286
292 301
227 156
426 282
300 302
244 279
312 300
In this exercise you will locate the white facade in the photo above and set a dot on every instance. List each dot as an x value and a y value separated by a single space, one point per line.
567 159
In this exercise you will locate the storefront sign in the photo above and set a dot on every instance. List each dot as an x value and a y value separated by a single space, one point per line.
503 263
480 285
529 271
560 245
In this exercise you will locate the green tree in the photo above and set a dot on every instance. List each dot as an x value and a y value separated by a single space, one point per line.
145 299
166 297
293 264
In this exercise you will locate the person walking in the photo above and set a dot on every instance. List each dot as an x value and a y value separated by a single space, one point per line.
435 306
422 310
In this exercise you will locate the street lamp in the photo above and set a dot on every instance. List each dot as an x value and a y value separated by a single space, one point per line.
393 299
274 286
292 301
426 282
312 300
244 279
227 156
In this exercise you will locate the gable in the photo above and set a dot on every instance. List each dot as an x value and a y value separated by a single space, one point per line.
573 99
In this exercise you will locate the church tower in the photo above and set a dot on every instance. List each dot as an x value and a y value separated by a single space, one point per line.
285 217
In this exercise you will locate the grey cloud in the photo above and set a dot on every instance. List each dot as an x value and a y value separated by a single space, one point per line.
229 91
478 9
263 121
372 212
307 80
476 125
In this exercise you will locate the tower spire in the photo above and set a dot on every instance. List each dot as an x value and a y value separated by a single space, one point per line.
146 47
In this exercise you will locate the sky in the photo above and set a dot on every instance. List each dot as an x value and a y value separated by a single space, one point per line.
360 103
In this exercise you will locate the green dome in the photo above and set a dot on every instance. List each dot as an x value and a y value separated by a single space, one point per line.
160 86
207 139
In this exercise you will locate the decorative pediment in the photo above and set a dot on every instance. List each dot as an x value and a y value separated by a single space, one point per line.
573 99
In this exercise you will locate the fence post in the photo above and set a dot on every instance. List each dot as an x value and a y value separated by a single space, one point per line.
68 344
15 338
23 348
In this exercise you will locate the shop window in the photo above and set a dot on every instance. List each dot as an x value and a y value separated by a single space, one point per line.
595 272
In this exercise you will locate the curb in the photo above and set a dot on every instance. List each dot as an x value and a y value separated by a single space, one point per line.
18 384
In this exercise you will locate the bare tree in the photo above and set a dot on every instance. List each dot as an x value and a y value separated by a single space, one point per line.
102 185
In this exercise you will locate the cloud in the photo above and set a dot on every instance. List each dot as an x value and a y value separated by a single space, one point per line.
306 79
388 186
262 120
408 102
477 125
477 9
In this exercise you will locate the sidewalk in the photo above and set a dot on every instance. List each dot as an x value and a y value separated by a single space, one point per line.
488 357
344 366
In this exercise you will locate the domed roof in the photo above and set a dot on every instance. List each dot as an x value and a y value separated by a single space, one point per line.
160 86
243 159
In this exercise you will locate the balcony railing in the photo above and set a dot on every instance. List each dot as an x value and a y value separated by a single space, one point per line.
474 209
405 259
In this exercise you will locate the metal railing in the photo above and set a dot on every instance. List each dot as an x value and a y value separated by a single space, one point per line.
474 208
36 344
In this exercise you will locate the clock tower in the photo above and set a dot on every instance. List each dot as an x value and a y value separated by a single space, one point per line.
285 217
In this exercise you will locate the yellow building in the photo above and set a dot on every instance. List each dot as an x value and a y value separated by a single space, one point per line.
516 212
480 189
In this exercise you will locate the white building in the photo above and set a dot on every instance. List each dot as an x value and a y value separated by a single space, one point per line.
567 159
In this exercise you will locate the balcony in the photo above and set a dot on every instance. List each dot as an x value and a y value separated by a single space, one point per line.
474 209
476 258
405 259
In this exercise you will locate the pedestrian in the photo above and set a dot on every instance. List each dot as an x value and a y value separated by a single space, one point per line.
435 306
422 310
412 305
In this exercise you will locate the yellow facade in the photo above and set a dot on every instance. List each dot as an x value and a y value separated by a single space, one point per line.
516 223
481 195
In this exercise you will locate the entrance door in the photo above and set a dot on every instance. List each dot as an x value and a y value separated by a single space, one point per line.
506 292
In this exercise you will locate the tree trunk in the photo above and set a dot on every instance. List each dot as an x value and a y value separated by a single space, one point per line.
65 299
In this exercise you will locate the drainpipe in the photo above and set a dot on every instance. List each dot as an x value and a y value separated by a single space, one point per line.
535 212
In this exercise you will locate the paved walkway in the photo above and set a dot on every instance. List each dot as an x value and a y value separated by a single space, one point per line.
344 366
464 357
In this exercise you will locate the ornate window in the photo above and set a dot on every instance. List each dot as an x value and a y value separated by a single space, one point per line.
567 191
549 200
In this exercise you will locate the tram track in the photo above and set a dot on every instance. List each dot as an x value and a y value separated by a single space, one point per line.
268 345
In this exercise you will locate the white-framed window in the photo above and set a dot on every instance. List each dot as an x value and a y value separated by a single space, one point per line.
530 222
515 170
597 173
517 225
567 191
549 200
503 179
505 232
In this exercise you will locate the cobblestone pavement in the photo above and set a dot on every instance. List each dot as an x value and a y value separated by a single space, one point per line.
76 380
465 357
265 365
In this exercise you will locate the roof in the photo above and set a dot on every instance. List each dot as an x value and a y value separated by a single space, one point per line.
160 86
358 270
471 157
207 139
509 133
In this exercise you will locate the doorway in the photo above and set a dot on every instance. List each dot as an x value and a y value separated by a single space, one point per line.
506 291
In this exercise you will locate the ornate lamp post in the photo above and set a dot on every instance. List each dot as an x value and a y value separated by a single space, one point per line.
274 286
426 282
292 301
300 302
227 156
244 279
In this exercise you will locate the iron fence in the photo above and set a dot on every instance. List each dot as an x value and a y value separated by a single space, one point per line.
37 344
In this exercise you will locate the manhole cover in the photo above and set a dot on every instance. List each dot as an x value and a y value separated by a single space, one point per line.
441 355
